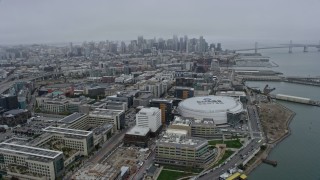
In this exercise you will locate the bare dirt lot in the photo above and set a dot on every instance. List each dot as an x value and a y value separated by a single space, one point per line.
274 120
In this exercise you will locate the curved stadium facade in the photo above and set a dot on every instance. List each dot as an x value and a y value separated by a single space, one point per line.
219 108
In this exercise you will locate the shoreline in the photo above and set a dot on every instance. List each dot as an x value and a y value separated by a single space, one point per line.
271 146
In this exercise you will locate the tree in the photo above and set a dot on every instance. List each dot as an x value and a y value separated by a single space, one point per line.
263 147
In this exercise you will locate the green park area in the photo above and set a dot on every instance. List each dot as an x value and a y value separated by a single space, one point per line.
230 143
225 156
172 175
181 168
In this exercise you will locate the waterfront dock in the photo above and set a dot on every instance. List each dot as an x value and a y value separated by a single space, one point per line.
270 162
295 99
312 81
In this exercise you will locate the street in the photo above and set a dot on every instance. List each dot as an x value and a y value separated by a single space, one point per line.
234 161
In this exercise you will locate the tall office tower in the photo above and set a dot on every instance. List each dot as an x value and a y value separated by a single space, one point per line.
140 42
161 44
170 44
181 45
70 47
175 42
114 47
123 47
212 46
166 109
201 44
185 43
133 46
149 118
219 48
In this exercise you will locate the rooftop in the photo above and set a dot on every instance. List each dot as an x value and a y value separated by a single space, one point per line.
231 93
67 131
28 150
145 96
138 131
210 104
15 111
148 111
161 100
182 121
184 88
181 141
105 112
72 118
208 122
178 132
102 128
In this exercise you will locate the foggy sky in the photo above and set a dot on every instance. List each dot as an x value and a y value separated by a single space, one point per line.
51 21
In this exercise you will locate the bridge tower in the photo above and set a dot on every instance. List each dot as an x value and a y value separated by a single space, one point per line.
290 47
305 48
256 47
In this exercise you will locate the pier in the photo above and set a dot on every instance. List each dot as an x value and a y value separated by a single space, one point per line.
295 99
313 81
270 162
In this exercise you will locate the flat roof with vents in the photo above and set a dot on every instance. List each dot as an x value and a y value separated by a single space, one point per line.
138 131
67 131
29 150
73 117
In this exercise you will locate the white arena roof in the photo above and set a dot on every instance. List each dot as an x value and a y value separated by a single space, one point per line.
212 107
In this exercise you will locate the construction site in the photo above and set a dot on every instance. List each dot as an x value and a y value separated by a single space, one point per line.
133 157
122 161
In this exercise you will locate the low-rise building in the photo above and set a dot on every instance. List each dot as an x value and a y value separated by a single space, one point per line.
53 105
116 105
111 116
102 133
240 95
76 121
181 123
28 162
15 117
205 128
138 136
184 151
71 138
142 100
76 103
95 91
183 92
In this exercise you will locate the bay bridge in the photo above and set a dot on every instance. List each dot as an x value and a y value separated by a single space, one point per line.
289 46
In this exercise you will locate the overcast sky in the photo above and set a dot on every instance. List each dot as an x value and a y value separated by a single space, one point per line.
50 21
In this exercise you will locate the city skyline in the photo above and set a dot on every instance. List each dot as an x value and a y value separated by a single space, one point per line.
77 21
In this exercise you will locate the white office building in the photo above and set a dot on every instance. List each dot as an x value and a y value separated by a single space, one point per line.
26 162
150 118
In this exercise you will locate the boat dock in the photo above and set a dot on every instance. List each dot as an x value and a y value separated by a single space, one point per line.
270 162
